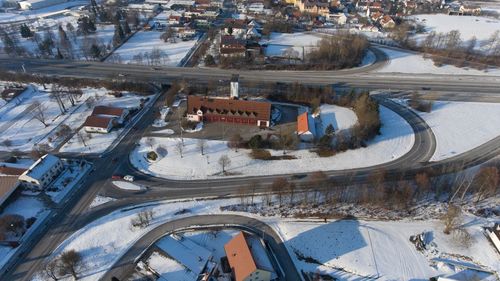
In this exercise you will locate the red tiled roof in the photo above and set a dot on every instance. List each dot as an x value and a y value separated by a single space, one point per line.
107 110
13 171
97 121
253 109
8 185
303 123
239 257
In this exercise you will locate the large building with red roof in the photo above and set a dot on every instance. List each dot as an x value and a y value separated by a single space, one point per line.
228 110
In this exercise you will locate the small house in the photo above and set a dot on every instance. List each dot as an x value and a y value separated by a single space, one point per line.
306 128
42 172
98 124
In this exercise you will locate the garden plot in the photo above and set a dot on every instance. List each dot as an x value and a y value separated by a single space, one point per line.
395 140
147 48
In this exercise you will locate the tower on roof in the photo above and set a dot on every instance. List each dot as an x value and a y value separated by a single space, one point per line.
235 86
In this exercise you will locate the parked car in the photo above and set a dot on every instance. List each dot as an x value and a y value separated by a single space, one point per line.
116 177
128 178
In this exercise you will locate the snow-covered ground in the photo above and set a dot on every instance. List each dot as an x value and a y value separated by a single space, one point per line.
19 125
281 43
348 249
341 118
410 62
469 26
461 126
99 200
395 140
138 49
352 249
128 185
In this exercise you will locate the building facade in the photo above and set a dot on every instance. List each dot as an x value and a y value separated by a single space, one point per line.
42 172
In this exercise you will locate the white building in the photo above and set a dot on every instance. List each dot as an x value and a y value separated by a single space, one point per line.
98 124
39 4
494 234
235 86
44 171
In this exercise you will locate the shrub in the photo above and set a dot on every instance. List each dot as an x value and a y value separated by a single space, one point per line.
261 154
152 156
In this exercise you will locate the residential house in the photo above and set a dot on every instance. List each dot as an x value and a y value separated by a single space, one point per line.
470 10
108 111
256 7
338 18
235 27
11 171
387 22
232 47
42 172
306 128
228 110
8 185
316 7
98 124
494 234
242 262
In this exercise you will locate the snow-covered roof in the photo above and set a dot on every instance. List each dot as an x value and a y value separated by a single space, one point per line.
169 269
41 166
185 251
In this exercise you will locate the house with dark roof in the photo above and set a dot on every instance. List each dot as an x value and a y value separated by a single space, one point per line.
228 110
8 185
242 262
108 111
231 46
98 124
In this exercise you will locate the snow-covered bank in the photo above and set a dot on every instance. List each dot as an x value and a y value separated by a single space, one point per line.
410 62
395 140
461 126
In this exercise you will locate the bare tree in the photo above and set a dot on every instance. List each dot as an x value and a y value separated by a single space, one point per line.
235 142
202 145
224 162
51 269
278 187
39 113
70 262
150 142
57 94
252 187
142 219
179 147
452 219
486 182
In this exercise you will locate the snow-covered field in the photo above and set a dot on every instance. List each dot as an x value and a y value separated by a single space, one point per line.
138 48
409 62
20 127
281 43
395 140
352 249
348 249
341 118
461 126
469 26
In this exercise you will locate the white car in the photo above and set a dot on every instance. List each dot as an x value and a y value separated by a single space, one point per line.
128 178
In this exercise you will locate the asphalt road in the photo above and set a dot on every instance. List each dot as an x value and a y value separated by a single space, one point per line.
123 267
357 77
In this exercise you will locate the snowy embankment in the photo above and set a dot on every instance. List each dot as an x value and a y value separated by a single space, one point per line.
395 140
461 126
347 249
469 26
410 62
141 47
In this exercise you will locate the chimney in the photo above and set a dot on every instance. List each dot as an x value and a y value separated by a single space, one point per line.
235 86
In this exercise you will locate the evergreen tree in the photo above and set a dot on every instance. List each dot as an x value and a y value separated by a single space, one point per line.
329 131
95 51
59 55
127 28
26 31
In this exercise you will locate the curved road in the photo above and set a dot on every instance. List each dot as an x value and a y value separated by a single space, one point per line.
125 265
